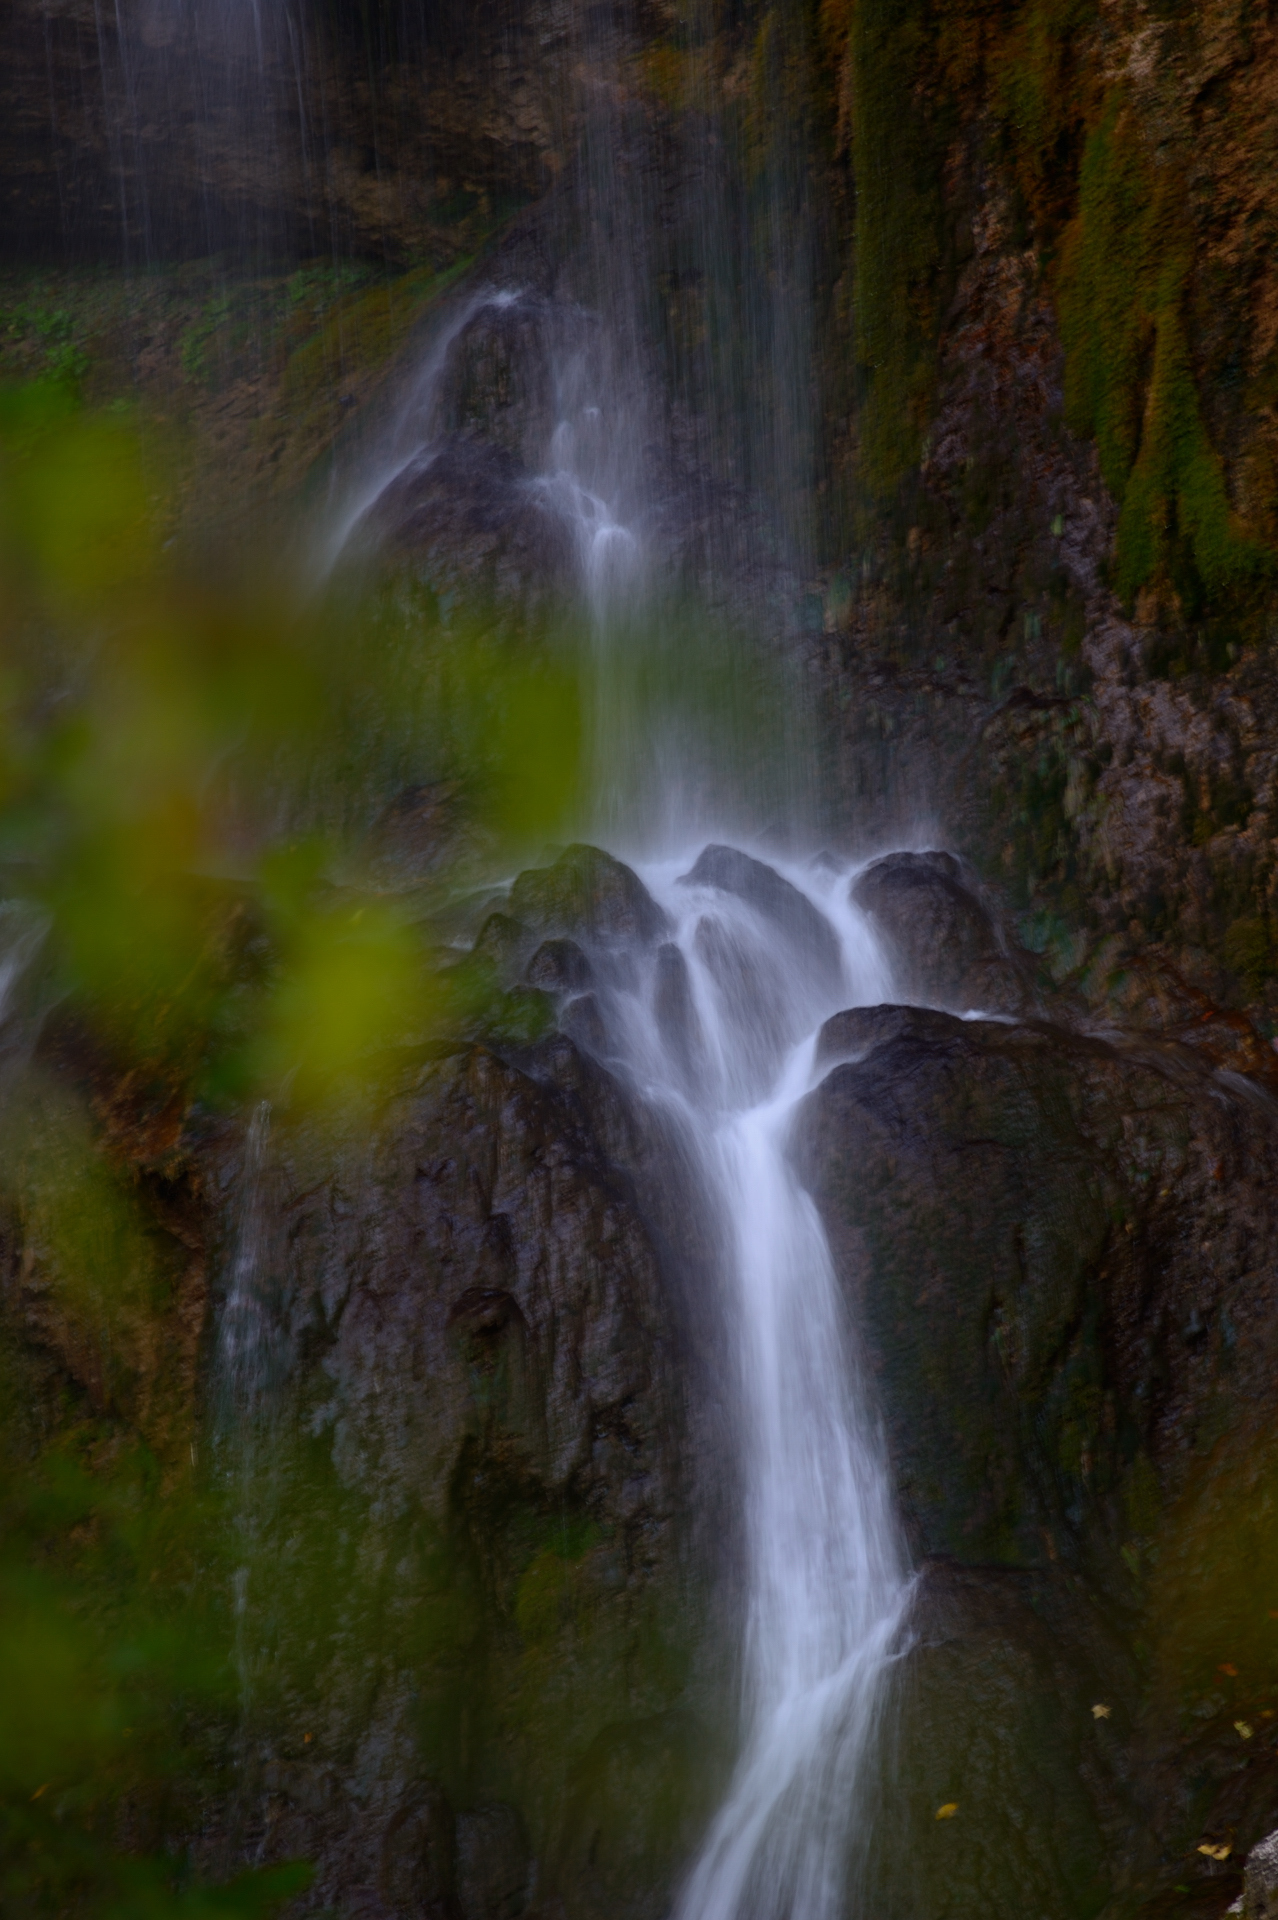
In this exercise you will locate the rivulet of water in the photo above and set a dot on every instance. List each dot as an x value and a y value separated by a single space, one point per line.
410 435
246 1331
247 1363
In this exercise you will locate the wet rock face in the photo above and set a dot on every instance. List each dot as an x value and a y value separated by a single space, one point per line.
492 1475
482 509
494 1863
1035 1192
510 373
991 1711
588 894
490 1358
1060 1254
420 836
1259 1899
187 129
945 945
468 515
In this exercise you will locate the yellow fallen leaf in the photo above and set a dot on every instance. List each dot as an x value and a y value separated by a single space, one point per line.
40 1790
948 1811
1240 1726
1217 1849
1100 1712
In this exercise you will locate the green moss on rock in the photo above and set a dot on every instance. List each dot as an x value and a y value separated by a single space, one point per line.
1040 95
898 153
1130 379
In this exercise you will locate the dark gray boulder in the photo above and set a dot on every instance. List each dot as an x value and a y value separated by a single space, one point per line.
944 944
465 515
1060 1254
857 1031
476 1503
589 896
559 966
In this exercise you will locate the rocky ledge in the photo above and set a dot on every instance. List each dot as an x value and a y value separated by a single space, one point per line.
489 1504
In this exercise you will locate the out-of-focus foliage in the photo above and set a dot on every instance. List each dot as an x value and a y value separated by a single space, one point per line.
190 780
112 1656
186 773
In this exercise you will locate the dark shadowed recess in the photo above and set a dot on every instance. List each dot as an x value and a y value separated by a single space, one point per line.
171 129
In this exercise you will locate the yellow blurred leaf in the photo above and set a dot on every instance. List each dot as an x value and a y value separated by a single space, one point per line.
352 984
1241 1727
948 1811
1217 1849
1101 1712
76 500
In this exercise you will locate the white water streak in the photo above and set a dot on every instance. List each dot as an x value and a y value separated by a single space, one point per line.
826 1582
411 437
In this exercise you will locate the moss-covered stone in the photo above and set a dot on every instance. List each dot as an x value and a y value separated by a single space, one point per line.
1130 380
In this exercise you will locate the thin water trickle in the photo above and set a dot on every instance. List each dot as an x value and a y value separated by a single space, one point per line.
247 1351
410 437
22 934
246 1332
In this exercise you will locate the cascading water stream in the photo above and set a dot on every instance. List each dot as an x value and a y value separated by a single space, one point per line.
724 1032
720 1028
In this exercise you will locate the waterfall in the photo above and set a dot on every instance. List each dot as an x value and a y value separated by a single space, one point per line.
409 440
718 1026
722 1034
719 1029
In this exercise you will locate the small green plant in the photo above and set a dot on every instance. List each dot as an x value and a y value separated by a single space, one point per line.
196 340
52 330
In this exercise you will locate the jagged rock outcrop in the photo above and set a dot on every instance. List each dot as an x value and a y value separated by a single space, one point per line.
486 1343
1061 1255
1048 649
484 1478
466 516
945 943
